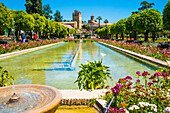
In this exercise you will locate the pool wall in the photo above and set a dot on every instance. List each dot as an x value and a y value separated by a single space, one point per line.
147 59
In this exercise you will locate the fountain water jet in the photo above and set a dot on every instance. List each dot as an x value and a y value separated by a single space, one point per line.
30 98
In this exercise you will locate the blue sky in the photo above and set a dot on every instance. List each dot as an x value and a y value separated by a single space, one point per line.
113 10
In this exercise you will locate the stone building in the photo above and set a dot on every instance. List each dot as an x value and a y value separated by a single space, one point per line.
77 17
92 21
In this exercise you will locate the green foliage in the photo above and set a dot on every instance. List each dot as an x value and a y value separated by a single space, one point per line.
85 26
57 16
34 6
120 26
166 16
92 102
5 78
148 20
130 23
23 21
92 75
145 5
39 22
6 18
47 11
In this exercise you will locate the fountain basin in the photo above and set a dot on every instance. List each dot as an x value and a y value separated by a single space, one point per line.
33 98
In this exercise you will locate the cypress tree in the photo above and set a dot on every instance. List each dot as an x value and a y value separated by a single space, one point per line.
166 16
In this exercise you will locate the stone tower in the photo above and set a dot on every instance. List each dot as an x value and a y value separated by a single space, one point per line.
78 18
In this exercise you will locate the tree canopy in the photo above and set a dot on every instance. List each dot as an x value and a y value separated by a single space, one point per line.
6 17
47 11
166 16
57 16
34 6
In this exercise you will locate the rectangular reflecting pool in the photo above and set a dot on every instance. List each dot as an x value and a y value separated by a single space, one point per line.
53 65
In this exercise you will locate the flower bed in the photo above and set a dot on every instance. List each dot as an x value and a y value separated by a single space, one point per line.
156 52
153 95
6 48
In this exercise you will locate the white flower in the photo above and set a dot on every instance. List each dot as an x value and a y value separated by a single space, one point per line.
86 62
167 110
134 107
103 54
168 62
143 104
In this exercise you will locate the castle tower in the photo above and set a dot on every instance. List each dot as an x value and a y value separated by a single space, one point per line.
77 17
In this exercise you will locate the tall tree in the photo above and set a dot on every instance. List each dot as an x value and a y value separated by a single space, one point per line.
99 18
166 16
149 20
6 18
145 5
57 16
34 6
47 11
106 21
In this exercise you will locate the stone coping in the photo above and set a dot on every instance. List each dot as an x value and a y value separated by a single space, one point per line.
82 94
141 57
7 55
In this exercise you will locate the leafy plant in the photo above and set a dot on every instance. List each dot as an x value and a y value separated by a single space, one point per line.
93 75
5 77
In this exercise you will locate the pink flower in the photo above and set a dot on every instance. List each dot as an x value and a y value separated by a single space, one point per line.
145 73
107 92
138 72
118 86
125 79
107 86
155 81
163 98
137 80
129 77
126 98
157 74
149 83
165 75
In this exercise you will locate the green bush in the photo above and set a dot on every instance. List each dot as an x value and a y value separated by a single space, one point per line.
5 78
3 42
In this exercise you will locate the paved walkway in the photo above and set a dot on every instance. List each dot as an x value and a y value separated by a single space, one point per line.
150 59
7 55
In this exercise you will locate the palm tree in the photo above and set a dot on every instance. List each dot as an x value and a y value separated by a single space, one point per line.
106 21
145 5
99 18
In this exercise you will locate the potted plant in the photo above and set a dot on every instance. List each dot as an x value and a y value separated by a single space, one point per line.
93 75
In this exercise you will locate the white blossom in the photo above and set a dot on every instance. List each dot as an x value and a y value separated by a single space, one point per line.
134 107
167 110
103 54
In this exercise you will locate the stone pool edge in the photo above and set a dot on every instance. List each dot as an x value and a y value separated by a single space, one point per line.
83 98
7 55
147 59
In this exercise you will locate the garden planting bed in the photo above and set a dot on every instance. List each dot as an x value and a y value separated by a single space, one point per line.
147 59
7 55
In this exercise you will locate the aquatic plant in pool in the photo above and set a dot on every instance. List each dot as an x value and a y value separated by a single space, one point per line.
93 75
149 96
156 52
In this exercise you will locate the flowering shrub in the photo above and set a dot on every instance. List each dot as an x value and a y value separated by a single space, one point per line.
156 52
6 48
152 95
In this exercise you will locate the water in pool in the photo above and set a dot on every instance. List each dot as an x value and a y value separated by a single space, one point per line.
43 66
